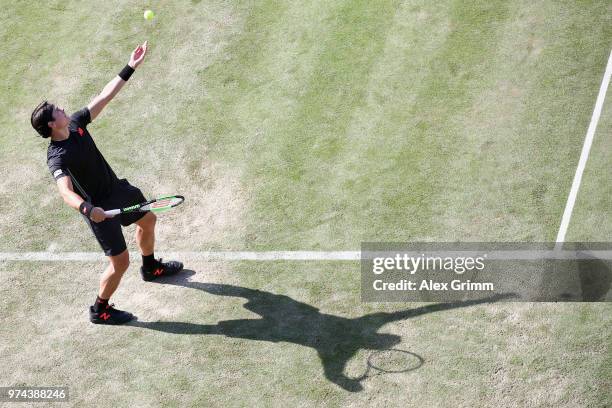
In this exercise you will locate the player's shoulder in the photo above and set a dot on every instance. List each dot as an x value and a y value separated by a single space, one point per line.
82 117
80 114
55 151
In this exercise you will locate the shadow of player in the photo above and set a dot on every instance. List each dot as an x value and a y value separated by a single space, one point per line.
283 319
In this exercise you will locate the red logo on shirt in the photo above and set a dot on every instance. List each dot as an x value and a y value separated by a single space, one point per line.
80 131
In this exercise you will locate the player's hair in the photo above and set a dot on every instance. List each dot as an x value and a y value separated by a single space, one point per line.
42 115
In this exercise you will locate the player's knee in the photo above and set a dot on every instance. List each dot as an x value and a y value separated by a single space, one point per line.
121 262
148 222
152 220
121 267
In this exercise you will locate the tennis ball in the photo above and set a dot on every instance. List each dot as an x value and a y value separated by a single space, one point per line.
149 15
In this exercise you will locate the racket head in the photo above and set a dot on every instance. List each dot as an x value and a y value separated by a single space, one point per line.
163 203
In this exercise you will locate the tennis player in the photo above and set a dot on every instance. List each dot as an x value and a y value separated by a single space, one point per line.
87 183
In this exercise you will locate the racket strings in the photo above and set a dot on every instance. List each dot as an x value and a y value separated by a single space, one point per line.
166 202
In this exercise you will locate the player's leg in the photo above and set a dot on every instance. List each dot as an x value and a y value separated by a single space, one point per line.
145 234
109 235
126 194
102 312
145 238
110 279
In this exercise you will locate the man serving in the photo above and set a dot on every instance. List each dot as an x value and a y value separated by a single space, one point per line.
88 184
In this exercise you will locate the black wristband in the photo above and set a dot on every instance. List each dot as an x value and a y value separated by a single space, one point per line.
126 72
85 209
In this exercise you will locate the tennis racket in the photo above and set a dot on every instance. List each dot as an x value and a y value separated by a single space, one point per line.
160 204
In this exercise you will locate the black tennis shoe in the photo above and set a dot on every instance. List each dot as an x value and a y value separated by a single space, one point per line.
161 269
109 315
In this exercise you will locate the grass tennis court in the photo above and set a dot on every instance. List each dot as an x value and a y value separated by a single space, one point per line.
308 126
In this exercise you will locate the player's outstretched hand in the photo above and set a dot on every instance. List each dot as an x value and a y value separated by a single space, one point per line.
138 55
97 215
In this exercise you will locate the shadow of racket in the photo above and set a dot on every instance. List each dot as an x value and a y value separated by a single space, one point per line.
391 361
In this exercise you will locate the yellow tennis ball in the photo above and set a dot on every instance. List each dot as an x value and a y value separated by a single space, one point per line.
149 15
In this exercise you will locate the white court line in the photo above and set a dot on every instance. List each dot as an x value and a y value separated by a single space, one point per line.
211 256
192 256
586 148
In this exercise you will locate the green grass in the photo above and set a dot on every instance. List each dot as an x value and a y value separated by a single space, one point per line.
318 125
196 346
336 122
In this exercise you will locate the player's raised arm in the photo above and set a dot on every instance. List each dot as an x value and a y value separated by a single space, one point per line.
113 87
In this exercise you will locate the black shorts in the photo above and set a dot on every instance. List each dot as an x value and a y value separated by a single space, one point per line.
108 232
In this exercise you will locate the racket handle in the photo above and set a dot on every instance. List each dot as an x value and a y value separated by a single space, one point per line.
111 213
